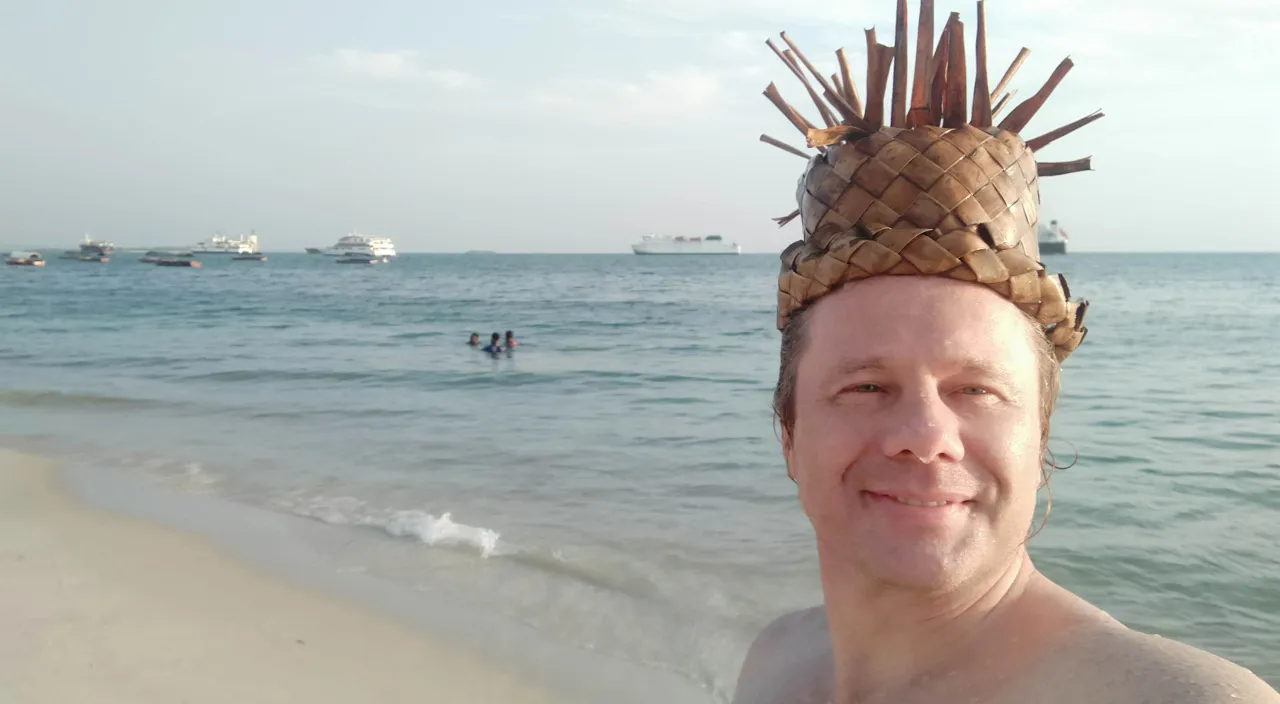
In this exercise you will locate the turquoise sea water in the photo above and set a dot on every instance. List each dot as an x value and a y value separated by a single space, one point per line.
617 483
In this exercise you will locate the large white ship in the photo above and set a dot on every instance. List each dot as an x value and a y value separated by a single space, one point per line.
711 244
358 244
218 244
1053 239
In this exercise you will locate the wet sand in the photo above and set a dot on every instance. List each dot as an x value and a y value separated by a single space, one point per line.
108 608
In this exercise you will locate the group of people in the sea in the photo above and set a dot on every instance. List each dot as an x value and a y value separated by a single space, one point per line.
497 343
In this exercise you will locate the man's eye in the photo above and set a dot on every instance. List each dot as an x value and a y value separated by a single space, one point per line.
865 388
974 391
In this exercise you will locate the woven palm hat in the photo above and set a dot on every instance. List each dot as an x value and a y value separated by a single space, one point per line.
935 187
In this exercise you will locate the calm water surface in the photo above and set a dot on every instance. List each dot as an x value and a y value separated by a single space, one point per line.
617 482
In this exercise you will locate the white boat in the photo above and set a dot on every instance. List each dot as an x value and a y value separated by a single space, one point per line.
358 244
711 244
24 259
218 244
1053 239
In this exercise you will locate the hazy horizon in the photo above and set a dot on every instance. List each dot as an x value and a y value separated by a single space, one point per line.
581 126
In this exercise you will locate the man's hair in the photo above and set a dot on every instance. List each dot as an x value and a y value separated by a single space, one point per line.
795 337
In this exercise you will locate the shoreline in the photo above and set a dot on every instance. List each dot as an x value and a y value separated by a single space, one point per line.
107 607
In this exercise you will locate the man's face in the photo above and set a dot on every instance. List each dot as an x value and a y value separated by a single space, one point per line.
916 443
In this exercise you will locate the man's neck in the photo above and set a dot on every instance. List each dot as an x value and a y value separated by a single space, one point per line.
885 640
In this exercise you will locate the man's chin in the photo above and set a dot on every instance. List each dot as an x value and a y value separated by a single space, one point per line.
916 566
924 575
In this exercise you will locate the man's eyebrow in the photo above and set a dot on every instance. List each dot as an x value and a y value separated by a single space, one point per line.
983 366
853 365
977 365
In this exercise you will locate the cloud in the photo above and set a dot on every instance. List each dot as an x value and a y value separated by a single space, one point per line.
405 67
658 98
716 11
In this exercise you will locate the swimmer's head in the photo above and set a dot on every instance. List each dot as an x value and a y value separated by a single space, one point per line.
475 338
495 338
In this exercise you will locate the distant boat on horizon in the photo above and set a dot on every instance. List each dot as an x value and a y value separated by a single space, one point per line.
358 244
90 251
218 244
1052 238
664 244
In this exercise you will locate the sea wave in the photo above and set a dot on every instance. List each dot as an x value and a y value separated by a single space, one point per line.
19 398
422 526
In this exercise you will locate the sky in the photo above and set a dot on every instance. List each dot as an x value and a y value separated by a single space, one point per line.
581 125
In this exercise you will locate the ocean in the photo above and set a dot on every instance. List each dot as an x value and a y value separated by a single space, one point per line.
616 485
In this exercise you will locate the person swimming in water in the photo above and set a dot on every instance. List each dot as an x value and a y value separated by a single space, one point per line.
511 341
475 339
494 346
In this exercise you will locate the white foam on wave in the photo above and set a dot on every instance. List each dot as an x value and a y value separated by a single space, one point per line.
420 525
441 531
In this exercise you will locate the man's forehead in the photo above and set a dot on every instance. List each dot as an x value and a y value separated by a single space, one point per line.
890 309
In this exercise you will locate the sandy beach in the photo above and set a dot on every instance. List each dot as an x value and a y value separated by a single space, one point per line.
108 608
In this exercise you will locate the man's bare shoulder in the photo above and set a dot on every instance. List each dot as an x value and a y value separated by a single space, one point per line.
789 662
1130 667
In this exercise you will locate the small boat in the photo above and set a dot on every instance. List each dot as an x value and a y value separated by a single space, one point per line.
154 256
80 257
314 250
24 259
90 251
249 258
194 264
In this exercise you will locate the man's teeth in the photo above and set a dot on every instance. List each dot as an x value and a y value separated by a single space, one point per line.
914 502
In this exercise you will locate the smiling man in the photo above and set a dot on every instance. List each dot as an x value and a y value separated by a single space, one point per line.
921 344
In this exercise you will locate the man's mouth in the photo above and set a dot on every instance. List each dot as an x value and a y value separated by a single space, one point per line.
919 501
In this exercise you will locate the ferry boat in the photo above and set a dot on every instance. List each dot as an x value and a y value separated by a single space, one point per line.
711 244
218 244
1053 239
24 259
380 247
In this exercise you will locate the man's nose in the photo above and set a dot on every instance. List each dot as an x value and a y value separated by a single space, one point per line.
922 426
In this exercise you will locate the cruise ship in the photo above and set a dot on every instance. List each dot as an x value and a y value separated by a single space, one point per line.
218 244
711 244
1053 239
358 244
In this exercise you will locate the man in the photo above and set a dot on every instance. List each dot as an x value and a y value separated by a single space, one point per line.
921 344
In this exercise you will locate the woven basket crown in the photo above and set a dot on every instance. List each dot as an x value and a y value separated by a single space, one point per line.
939 191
